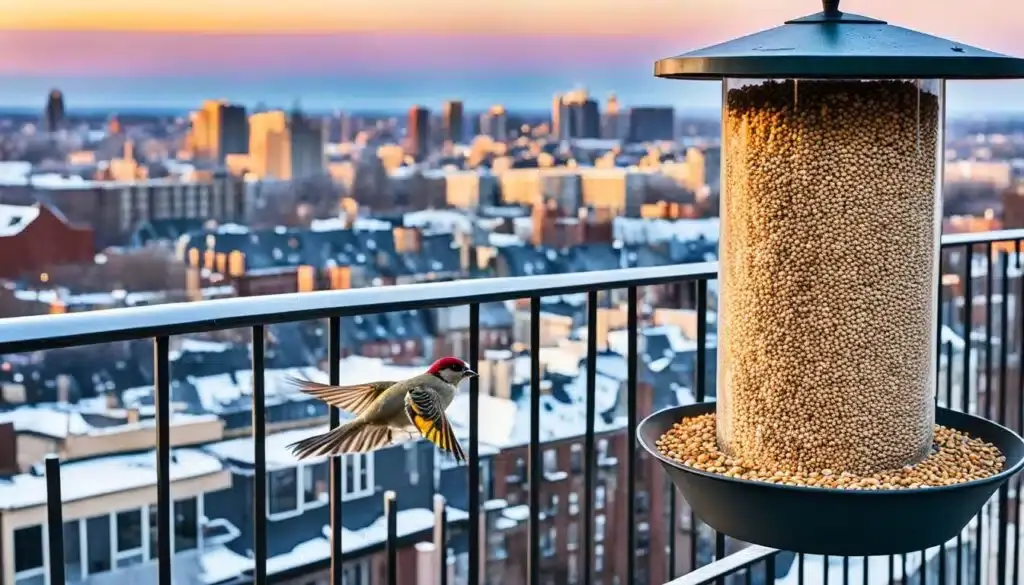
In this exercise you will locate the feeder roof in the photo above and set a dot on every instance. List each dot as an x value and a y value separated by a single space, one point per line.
832 44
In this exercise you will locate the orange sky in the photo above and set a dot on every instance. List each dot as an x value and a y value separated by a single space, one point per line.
971 21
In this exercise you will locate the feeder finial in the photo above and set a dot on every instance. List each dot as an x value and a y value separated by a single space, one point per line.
830 7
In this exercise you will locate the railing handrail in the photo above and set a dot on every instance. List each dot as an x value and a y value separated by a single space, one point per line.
38 332
108 325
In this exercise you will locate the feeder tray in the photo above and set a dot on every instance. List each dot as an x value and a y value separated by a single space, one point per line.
832 521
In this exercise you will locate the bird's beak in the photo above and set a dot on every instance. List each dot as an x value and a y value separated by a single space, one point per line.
469 374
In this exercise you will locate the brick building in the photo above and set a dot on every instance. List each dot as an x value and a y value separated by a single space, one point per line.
33 237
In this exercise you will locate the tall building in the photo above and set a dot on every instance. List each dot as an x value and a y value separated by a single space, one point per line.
575 115
54 112
612 126
650 123
453 117
419 132
285 145
494 123
219 129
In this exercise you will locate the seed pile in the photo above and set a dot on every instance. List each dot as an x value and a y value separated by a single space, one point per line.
828 251
955 458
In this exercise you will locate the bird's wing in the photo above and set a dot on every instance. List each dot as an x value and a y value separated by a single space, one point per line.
425 412
354 399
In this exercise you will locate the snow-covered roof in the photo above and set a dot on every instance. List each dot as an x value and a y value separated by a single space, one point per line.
241 450
651 231
105 475
60 421
220 563
15 218
440 220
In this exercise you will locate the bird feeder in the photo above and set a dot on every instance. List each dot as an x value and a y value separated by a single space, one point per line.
831 209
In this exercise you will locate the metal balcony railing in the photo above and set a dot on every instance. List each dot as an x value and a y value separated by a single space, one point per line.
998 251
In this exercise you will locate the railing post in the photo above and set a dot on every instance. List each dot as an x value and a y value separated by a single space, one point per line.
55 520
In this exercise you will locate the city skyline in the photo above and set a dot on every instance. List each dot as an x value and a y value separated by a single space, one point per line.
373 55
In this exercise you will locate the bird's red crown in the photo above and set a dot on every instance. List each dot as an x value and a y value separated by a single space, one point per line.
447 363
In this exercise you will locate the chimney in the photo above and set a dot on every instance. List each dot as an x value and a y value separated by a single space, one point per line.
8 450
407 240
341 277
306 279
500 369
63 388
193 256
132 416
208 260
426 563
13 393
222 262
236 263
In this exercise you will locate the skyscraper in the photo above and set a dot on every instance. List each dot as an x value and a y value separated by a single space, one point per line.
650 123
285 146
575 115
54 112
494 123
419 132
452 120
612 121
219 129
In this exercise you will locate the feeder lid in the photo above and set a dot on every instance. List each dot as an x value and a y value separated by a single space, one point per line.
834 44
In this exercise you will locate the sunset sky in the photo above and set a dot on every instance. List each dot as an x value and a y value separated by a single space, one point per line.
390 53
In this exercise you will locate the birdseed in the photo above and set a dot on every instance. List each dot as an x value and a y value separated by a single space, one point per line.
828 274
955 458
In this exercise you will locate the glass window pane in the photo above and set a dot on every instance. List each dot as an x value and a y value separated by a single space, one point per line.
28 548
72 551
154 536
129 530
314 482
283 491
186 525
97 538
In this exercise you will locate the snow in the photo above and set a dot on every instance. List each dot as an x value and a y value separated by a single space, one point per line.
439 220
652 231
517 513
61 421
220 563
108 475
497 420
15 218
241 450
500 240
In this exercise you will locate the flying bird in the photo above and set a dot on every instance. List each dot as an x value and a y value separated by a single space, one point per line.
381 409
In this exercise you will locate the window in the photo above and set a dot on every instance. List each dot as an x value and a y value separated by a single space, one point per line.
599 494
574 503
358 476
643 538
547 542
576 458
412 462
315 484
186 524
74 551
29 559
599 558
128 531
572 536
572 569
356 572
520 471
553 506
643 502
283 494
602 449
550 461
98 540
599 522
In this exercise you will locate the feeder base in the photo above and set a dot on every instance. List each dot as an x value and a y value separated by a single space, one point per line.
832 521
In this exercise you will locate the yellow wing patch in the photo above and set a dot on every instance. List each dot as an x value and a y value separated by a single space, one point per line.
424 411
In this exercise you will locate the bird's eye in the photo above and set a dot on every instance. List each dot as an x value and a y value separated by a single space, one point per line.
457 367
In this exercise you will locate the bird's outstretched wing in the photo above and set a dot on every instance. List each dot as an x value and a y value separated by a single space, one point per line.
423 407
354 399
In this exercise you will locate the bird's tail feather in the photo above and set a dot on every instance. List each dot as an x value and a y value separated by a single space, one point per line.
352 437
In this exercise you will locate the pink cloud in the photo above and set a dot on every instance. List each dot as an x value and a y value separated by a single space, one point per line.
132 54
